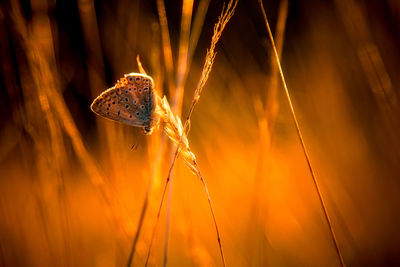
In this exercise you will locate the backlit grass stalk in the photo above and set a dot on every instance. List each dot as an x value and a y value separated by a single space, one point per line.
226 15
182 70
168 63
174 130
187 10
191 45
41 60
166 44
301 138
145 205
266 116
198 22
188 40
40 55
149 187
374 67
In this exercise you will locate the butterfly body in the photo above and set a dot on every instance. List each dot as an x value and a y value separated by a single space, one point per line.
131 101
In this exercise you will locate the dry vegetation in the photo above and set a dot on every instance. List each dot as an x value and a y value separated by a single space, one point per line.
77 190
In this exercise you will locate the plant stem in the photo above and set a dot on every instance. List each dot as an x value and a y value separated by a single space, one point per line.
225 16
212 212
301 139
145 203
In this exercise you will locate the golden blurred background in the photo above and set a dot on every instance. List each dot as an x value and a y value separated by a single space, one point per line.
73 186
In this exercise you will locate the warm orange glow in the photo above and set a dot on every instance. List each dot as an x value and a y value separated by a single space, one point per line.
74 186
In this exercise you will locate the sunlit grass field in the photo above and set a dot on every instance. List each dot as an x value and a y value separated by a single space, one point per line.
79 190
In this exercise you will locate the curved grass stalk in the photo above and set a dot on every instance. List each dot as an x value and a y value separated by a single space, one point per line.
266 116
144 207
303 146
226 15
182 70
166 44
149 186
168 62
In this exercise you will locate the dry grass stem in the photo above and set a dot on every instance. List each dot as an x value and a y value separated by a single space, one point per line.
146 200
360 33
186 20
226 15
177 97
194 38
144 206
77 189
340 258
166 44
198 22
41 56
266 115
91 36
154 171
168 62
174 130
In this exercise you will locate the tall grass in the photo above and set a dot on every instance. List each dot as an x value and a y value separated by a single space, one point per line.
296 123
178 133
75 192
266 116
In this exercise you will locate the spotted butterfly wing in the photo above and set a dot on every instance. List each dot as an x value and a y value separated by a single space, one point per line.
131 101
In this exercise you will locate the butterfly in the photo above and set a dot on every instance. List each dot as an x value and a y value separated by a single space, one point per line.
131 101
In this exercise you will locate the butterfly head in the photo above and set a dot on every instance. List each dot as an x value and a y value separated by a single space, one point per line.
148 130
152 124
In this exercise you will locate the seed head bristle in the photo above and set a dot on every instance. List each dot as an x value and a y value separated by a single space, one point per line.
174 129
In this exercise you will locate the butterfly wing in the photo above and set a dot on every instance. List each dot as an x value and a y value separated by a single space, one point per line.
130 101
141 87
